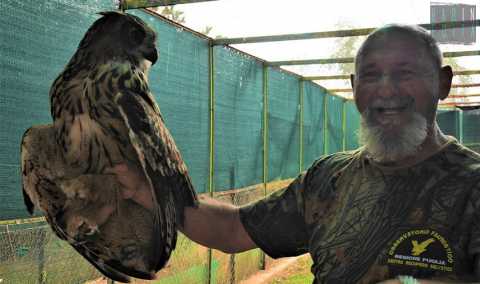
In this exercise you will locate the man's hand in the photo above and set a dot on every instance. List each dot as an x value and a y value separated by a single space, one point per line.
134 184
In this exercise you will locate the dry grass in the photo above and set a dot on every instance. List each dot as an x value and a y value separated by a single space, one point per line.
298 273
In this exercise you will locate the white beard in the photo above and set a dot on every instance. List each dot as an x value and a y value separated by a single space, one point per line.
392 146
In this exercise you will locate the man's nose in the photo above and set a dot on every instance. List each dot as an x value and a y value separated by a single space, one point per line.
386 86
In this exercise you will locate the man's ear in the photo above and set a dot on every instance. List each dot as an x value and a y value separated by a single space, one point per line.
352 81
445 82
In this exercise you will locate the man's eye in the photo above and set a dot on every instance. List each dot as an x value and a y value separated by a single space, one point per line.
369 76
404 74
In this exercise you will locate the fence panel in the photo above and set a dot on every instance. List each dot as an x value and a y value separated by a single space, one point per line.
313 123
283 125
238 120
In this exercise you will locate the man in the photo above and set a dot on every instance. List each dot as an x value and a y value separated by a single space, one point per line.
403 204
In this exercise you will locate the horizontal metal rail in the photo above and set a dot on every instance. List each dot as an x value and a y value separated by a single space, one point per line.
351 59
336 33
473 85
349 90
22 221
466 72
327 77
312 61
347 77
474 103
137 4
463 96
461 53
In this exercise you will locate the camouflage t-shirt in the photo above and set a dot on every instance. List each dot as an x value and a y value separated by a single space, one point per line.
363 223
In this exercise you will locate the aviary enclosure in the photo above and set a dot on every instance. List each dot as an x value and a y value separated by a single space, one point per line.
244 125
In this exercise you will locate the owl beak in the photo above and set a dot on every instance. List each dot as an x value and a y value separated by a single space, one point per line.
152 55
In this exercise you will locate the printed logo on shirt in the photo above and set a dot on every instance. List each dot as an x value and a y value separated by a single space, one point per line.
425 249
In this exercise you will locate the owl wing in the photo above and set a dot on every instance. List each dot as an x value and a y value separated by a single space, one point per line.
123 246
162 164
38 158
41 166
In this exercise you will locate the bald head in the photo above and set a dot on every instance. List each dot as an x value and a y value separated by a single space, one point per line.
395 31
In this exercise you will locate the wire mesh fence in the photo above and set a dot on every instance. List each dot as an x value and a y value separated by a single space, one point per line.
31 253
237 267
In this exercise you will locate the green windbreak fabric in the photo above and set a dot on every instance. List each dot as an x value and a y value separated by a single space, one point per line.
448 122
238 120
313 123
179 81
471 129
283 125
39 37
334 138
37 40
352 124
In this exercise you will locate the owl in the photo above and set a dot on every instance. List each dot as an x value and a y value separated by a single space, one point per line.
106 123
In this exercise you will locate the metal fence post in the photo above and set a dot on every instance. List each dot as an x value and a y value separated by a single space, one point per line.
460 125
344 125
265 145
301 93
325 125
42 274
211 66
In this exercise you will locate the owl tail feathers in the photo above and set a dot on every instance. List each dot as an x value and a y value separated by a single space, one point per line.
113 274
113 268
146 275
101 266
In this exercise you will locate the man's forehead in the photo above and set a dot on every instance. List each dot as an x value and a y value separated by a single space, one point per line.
401 50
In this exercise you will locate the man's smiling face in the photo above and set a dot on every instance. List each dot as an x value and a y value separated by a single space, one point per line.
396 77
396 89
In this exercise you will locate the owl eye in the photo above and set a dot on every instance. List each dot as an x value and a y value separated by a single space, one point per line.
137 36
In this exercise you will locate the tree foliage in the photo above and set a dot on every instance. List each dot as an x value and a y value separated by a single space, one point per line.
171 13
345 47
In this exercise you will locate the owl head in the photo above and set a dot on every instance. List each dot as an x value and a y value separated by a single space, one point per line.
118 35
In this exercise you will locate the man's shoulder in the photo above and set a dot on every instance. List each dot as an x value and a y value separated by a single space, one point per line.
463 158
336 158
465 167
328 164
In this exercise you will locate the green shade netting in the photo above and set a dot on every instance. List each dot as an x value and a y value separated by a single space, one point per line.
448 122
37 40
283 125
471 129
334 137
238 120
352 124
313 118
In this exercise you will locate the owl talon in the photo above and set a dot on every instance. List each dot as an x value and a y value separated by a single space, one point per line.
86 231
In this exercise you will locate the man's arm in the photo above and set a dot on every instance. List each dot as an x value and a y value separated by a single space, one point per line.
213 224
217 225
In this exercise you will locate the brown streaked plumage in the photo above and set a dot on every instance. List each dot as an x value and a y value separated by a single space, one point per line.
104 116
